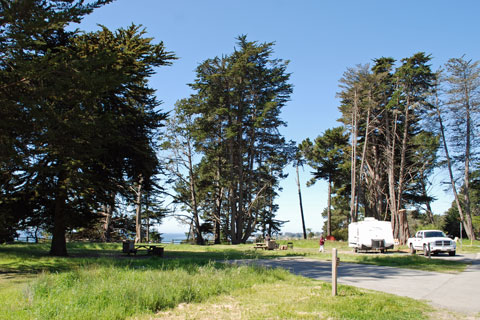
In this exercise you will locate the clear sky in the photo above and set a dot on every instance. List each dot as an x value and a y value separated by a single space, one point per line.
320 38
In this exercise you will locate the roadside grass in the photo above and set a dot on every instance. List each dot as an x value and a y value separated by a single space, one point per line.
299 298
468 246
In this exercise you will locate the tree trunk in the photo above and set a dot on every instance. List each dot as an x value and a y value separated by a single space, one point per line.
392 203
362 160
449 166
59 243
329 212
466 182
404 232
353 169
301 206
427 203
193 199
138 216
107 212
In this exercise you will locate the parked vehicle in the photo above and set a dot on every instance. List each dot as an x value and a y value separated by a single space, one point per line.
370 234
431 241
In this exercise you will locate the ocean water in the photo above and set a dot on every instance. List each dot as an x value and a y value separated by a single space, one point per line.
176 237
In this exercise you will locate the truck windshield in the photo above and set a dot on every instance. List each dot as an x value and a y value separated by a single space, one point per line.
432 234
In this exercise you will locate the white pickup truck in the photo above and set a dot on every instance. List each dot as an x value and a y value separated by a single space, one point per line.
431 241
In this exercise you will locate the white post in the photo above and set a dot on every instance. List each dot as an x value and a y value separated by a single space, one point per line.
334 271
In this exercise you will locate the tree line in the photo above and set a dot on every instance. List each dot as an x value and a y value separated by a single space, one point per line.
399 124
83 136
85 146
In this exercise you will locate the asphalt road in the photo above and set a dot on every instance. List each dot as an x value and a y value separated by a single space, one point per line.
457 292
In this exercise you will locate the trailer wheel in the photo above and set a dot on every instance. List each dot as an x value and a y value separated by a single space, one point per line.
412 251
356 250
451 253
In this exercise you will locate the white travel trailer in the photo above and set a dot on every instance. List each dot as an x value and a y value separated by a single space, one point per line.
370 234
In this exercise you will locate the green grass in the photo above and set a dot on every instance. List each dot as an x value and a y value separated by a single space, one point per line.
468 246
97 282
299 298
112 292
34 258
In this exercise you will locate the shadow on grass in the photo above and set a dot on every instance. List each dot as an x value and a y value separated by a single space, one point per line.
35 258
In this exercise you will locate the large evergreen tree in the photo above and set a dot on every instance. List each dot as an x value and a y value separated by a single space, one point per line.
236 110
383 108
463 101
87 112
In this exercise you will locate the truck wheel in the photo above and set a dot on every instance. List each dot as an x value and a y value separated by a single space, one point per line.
451 253
412 251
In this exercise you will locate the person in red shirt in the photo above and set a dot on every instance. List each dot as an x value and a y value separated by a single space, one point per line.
322 243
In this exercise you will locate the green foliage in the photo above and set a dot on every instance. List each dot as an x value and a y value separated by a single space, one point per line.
82 114
452 219
328 156
233 120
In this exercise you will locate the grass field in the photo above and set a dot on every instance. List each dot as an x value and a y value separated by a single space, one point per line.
97 282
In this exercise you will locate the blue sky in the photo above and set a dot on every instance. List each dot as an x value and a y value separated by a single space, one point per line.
320 38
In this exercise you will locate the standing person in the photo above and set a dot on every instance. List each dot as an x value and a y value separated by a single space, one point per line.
322 243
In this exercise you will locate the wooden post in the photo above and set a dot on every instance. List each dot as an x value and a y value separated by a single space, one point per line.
334 271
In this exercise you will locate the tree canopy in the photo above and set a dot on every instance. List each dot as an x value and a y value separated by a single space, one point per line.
81 117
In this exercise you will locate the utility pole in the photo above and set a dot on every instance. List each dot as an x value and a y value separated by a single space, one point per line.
301 206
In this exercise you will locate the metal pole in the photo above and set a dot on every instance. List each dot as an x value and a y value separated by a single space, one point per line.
334 271
301 206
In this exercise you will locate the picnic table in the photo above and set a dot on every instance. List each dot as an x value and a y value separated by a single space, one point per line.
267 245
260 245
155 249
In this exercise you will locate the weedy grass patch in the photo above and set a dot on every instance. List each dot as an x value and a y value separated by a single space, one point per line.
299 298
113 292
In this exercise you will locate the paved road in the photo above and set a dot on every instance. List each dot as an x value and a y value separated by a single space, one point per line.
458 292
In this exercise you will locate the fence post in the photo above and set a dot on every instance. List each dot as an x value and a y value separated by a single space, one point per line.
334 271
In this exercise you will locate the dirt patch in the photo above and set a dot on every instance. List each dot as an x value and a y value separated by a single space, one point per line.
230 309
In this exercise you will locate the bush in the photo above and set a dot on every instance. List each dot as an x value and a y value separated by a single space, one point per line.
340 234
